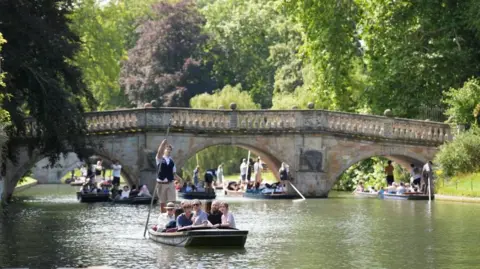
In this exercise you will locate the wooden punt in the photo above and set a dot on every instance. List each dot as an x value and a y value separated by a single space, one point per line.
138 200
259 195
406 196
197 195
201 237
234 193
93 197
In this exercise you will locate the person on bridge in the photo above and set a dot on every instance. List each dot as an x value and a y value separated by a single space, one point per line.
166 174
117 168
389 173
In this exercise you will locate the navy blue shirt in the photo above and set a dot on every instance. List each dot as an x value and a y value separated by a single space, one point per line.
183 221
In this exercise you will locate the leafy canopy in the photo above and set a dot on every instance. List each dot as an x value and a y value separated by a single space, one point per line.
224 98
40 80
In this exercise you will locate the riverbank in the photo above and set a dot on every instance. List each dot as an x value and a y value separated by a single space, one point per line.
27 183
467 185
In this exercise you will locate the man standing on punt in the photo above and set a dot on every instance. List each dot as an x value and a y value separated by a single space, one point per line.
166 174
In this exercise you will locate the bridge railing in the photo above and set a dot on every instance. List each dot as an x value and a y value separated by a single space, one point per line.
277 121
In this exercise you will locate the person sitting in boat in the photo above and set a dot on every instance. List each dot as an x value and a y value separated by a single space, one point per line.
401 189
93 189
381 191
84 189
115 192
372 190
280 188
360 187
125 193
167 220
185 219
392 188
227 218
200 187
144 192
215 216
105 189
199 216
232 186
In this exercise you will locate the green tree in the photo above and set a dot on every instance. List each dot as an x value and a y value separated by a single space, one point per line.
253 43
461 102
107 31
40 80
224 98
332 44
460 155
164 64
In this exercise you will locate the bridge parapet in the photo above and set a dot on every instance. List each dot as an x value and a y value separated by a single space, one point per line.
267 121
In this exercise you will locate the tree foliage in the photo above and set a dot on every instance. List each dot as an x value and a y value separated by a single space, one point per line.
253 43
165 63
462 102
40 80
460 155
223 98
2 41
107 31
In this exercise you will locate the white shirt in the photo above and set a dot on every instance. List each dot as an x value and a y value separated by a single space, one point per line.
229 219
116 170
125 194
257 167
99 165
243 169
164 218
391 189
400 190
83 170
167 160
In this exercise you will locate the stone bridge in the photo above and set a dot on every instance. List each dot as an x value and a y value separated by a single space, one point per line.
319 145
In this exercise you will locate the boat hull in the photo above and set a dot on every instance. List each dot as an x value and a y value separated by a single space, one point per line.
389 196
215 238
366 195
234 193
197 195
269 196
93 198
136 201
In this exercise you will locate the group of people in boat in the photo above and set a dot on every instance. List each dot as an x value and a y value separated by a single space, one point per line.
115 193
190 215
420 180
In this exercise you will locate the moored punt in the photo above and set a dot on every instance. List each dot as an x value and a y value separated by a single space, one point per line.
234 193
406 196
259 195
136 201
201 237
93 197
365 194
197 195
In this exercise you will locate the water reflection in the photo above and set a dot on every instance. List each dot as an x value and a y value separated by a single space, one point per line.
47 228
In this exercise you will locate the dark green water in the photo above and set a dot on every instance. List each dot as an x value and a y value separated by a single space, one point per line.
48 228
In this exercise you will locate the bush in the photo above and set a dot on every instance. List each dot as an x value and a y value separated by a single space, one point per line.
462 155
462 102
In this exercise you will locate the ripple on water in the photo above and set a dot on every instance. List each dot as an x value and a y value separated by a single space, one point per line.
55 230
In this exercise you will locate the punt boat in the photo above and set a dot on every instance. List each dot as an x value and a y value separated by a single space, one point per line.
197 195
406 196
201 237
258 194
93 197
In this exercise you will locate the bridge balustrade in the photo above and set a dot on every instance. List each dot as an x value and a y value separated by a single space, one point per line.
272 121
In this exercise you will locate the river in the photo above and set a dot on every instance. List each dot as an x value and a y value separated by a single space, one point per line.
47 228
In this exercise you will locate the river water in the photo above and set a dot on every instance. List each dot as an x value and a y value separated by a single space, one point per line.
48 228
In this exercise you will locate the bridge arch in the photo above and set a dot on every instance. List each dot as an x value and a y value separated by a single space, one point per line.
268 154
27 161
403 156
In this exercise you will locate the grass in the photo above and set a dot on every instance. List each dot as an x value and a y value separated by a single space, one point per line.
461 185
25 181
78 173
